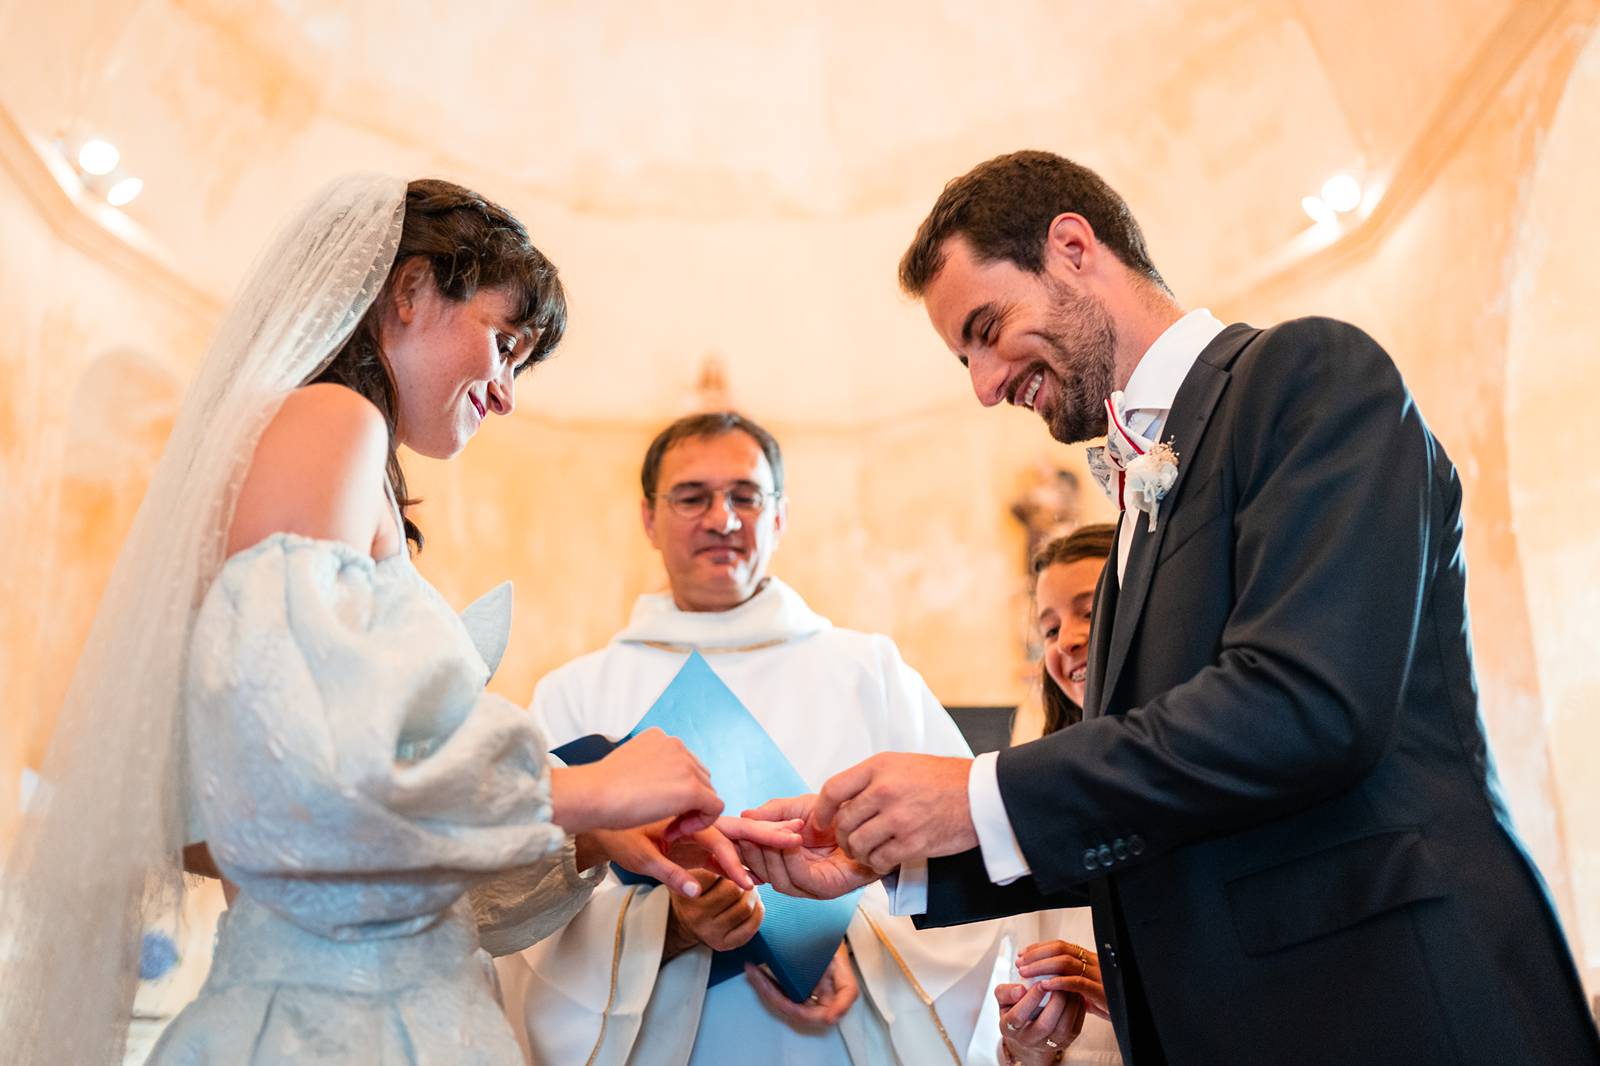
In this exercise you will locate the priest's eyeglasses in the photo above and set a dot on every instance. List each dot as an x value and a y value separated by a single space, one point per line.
692 501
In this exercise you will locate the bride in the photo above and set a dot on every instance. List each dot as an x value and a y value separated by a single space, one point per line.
271 682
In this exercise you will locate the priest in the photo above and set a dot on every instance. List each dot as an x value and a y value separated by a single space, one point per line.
633 977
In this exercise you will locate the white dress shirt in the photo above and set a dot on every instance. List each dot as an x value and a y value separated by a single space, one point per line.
1147 399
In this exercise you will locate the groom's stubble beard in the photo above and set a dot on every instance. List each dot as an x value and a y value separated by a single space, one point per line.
1083 341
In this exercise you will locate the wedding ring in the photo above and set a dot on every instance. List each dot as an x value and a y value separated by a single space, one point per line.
814 999
1012 1028
1083 965
1050 1043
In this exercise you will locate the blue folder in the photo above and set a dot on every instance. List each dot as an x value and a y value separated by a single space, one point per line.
798 937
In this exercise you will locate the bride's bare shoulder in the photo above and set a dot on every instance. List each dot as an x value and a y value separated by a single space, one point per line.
318 471
339 415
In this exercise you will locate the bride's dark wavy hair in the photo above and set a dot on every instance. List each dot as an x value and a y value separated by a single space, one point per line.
471 244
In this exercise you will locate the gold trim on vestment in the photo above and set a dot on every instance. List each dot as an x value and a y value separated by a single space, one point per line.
916 986
616 966
663 645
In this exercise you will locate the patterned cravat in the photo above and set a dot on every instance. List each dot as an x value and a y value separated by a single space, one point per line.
1122 446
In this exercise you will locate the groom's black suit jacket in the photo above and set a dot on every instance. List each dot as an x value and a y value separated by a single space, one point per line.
1280 803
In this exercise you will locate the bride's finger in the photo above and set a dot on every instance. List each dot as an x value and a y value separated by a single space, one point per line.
686 825
652 862
726 856
767 834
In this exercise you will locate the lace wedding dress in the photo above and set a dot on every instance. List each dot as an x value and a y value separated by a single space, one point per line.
353 778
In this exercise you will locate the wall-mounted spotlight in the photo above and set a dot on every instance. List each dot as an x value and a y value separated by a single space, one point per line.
125 191
98 165
1342 193
1319 211
98 156
1339 195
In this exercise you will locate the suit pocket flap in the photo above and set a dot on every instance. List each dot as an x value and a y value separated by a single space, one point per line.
1333 889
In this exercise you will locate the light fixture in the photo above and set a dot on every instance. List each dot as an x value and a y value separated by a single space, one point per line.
125 191
97 165
1318 209
98 156
1342 193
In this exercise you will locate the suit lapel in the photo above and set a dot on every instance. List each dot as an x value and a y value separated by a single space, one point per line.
1186 424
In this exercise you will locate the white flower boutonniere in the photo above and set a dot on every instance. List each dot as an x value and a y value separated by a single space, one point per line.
1150 476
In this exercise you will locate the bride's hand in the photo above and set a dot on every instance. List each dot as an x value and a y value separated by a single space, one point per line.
650 777
667 850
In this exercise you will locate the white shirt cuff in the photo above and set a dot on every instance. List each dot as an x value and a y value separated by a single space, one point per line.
908 888
1002 855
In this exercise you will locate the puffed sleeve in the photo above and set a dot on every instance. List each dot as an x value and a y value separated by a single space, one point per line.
351 772
519 908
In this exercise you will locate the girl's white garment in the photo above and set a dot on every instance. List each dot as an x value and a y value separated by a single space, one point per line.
1097 1043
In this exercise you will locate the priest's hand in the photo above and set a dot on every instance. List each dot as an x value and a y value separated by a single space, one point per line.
814 868
649 777
896 807
722 917
828 1001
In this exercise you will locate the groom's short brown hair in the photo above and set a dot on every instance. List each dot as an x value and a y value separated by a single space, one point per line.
1003 209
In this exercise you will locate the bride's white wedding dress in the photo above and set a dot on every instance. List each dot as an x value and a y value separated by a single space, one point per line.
349 772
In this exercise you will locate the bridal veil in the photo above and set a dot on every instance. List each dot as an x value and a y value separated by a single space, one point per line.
98 850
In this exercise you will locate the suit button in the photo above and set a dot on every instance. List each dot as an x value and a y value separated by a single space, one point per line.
1090 860
1136 844
1104 855
1120 849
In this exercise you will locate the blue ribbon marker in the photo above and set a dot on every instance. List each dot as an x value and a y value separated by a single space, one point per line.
798 937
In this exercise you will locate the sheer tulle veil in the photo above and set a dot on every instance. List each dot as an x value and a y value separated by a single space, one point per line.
98 849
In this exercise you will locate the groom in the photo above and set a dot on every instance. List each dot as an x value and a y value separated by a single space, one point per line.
1280 804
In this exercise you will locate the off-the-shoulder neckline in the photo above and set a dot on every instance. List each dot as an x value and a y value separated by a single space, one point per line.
336 547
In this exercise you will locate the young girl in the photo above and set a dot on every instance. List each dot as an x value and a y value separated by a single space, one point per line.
1066 571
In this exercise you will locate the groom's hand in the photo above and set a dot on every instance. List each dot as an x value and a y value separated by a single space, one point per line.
895 807
816 868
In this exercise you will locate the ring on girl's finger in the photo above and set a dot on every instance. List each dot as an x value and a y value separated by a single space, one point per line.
1084 967
1050 1043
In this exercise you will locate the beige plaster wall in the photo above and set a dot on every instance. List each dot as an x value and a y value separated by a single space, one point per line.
1552 394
